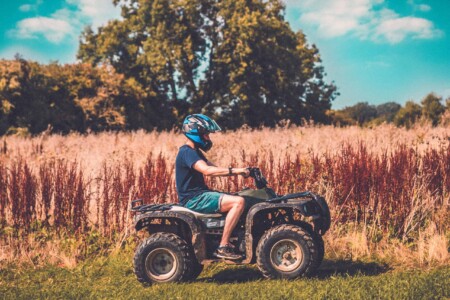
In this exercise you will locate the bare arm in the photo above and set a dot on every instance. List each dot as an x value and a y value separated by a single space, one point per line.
210 163
211 170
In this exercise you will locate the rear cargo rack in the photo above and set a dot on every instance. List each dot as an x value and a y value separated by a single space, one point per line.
138 206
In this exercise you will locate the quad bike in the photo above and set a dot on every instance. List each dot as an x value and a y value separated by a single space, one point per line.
282 234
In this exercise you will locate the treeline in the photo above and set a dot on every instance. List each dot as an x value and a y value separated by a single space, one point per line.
72 97
432 109
236 60
80 97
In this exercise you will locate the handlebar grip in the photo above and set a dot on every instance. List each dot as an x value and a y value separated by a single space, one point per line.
254 172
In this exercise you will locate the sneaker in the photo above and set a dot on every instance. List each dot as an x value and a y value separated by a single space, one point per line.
227 252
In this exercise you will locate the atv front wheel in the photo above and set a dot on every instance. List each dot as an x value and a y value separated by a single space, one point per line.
195 270
163 257
318 241
286 251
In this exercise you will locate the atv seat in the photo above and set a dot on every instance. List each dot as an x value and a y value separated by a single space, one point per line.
178 208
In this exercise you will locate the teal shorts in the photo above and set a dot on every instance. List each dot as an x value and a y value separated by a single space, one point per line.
206 203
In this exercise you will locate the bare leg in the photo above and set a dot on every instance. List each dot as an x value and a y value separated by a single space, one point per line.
234 205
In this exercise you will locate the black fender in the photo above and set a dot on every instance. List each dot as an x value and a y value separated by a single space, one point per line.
197 233
313 206
317 208
257 208
322 223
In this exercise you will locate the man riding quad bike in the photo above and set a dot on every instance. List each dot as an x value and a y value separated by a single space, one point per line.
282 234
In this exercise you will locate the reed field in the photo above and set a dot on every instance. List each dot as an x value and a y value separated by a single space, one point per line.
64 199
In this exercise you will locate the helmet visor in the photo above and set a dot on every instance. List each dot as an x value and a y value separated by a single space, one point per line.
200 124
213 126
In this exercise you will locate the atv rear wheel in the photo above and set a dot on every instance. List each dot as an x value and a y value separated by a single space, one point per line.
286 251
163 257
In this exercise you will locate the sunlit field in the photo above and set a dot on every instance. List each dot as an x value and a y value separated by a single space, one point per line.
347 101
66 198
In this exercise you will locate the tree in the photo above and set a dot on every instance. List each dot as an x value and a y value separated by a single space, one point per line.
361 112
432 108
408 115
158 46
99 93
34 97
387 111
445 119
339 118
72 97
263 71
236 59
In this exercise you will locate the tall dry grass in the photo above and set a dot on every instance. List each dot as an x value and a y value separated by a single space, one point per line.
383 185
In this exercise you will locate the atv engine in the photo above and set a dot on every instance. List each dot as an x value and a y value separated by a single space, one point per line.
213 234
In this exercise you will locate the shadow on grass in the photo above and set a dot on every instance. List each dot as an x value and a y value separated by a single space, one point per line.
235 275
328 269
331 268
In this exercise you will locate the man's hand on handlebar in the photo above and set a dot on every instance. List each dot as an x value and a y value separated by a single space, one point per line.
245 172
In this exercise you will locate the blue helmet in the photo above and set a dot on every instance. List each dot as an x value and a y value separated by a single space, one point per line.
196 126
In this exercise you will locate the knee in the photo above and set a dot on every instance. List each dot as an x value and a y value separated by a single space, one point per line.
240 203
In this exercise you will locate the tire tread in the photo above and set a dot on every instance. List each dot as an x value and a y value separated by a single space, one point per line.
179 243
262 261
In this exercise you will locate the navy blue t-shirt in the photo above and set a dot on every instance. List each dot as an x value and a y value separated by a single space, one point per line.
190 182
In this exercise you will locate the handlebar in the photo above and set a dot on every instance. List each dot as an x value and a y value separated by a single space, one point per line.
256 174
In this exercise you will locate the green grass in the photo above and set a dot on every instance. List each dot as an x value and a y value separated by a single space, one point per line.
113 278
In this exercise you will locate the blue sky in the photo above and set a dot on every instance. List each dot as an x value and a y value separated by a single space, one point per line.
374 50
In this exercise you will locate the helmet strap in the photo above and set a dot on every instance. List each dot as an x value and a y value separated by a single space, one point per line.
207 145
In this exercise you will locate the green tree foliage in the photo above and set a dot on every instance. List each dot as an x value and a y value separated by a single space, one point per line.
361 112
339 118
432 108
33 98
75 97
263 71
445 119
236 59
358 114
99 93
386 112
408 115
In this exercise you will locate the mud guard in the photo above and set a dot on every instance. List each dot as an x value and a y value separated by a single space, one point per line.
315 207
249 223
197 233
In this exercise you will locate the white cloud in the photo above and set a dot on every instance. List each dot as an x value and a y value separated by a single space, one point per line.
30 7
54 30
66 22
419 7
366 19
395 30
335 17
424 7
26 7
97 12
